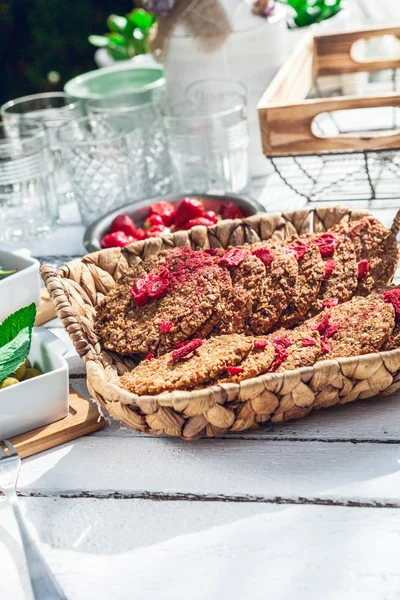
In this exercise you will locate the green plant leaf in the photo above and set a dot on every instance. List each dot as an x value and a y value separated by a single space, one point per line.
117 39
117 23
5 273
100 41
15 339
118 52
141 18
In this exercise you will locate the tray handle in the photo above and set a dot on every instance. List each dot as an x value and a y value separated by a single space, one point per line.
332 52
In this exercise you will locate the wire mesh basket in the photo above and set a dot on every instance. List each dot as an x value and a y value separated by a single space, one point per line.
330 120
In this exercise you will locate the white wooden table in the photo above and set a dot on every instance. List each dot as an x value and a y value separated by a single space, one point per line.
309 509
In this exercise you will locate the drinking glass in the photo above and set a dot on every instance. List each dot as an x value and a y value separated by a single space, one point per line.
105 165
51 110
208 137
146 118
26 182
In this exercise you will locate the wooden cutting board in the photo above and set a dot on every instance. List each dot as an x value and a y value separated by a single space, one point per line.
83 418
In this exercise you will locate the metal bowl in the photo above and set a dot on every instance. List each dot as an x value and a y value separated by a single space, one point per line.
139 211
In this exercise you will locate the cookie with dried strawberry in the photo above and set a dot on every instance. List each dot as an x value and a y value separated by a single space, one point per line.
257 362
359 326
277 288
377 253
340 280
192 364
247 273
394 339
308 281
391 295
296 348
160 308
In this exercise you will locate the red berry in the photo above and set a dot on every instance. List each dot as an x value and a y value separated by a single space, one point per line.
230 210
183 351
165 210
297 249
323 324
157 231
197 221
210 251
260 344
188 208
234 370
281 355
281 341
308 342
330 302
211 216
157 285
123 223
326 348
153 220
149 356
326 243
393 297
330 331
118 239
165 326
330 266
265 255
362 269
139 234
233 257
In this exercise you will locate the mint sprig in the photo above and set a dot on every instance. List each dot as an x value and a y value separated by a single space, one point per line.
15 339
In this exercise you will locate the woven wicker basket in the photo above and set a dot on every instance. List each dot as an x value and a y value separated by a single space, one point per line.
77 287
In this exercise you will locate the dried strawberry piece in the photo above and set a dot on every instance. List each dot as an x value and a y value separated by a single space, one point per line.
264 254
157 285
325 347
281 355
139 292
281 341
308 342
393 297
327 244
234 370
330 266
330 331
210 251
330 302
323 324
180 345
188 348
297 249
362 269
165 326
233 257
149 356
260 344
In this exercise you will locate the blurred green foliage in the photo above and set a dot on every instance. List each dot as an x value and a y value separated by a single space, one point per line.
43 43
308 12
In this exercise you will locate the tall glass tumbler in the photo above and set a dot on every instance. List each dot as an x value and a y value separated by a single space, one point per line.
209 140
26 182
51 110
146 119
104 164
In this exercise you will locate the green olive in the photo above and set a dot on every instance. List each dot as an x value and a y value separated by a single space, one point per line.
20 372
30 373
7 382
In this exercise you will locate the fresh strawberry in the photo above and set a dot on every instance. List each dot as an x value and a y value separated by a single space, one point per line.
211 216
230 210
123 223
197 221
188 208
157 231
165 210
139 234
153 220
118 239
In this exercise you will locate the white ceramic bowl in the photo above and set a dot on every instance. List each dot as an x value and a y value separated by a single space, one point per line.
23 287
43 399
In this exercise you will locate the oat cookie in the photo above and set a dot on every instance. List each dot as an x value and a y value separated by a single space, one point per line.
340 279
394 339
205 363
300 347
257 362
377 253
359 326
192 294
277 287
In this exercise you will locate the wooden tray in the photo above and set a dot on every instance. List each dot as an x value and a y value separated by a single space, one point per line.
46 310
83 418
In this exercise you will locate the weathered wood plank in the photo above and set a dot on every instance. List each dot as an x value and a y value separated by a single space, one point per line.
236 469
178 550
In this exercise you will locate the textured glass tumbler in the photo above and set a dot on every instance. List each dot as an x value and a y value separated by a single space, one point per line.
209 141
146 119
51 110
104 164
26 182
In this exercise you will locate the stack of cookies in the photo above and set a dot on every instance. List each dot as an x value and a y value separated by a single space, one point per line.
198 318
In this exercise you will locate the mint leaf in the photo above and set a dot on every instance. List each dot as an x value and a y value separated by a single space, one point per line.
24 317
15 339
